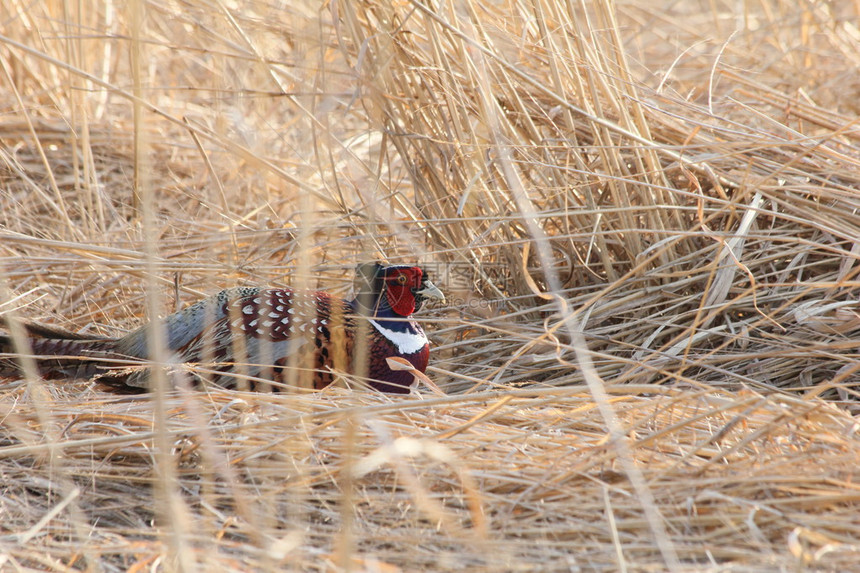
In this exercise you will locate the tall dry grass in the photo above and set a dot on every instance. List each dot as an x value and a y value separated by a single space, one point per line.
644 217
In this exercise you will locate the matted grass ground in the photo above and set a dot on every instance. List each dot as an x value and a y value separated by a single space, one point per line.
644 216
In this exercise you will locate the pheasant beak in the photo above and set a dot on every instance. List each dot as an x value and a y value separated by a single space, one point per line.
431 291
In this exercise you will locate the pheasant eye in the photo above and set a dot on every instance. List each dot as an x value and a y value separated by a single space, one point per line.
401 279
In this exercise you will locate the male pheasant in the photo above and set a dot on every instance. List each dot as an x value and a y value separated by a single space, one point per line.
247 334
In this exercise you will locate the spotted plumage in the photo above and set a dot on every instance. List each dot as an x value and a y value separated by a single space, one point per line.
248 337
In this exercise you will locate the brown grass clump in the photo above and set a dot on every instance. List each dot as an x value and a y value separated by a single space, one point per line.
644 215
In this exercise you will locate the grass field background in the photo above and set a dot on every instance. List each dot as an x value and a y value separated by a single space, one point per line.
644 216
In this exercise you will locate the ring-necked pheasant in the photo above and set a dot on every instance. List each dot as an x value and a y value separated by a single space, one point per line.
249 332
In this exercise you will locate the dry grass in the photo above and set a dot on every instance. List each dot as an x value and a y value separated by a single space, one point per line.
645 218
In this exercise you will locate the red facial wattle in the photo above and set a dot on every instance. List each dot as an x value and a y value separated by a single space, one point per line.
399 289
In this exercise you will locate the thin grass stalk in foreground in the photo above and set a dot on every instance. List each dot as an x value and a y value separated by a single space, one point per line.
172 513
